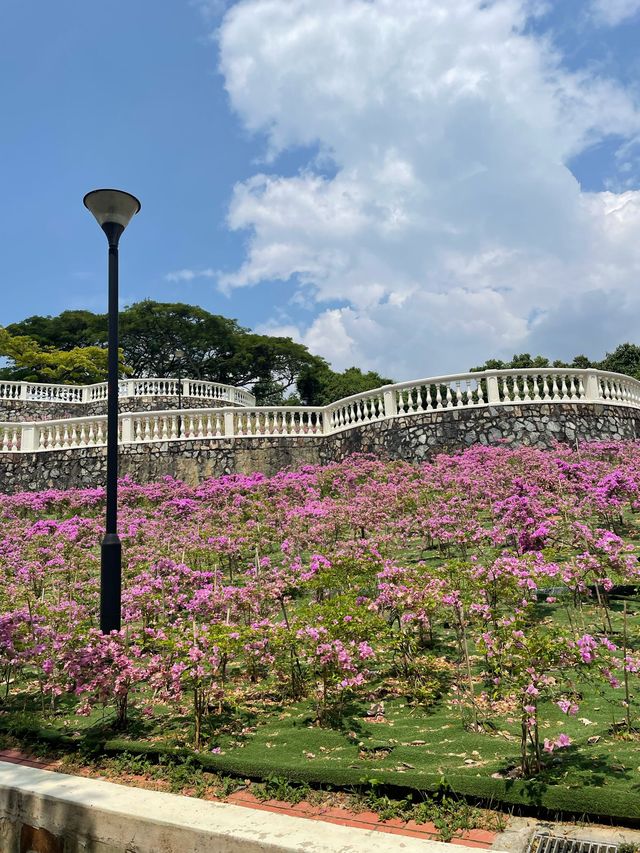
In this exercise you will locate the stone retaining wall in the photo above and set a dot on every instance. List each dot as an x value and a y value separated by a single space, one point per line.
416 437
42 410
412 438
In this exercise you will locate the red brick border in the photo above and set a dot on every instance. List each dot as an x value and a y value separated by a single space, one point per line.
481 838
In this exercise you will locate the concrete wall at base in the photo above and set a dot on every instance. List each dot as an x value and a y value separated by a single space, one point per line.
48 812
413 438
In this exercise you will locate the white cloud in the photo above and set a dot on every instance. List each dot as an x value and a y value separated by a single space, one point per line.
614 12
450 225
189 275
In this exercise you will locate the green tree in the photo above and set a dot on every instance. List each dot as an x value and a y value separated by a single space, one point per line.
152 333
31 362
579 361
67 331
170 340
320 386
624 359
273 365
524 361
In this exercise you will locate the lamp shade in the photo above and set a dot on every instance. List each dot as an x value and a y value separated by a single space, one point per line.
113 206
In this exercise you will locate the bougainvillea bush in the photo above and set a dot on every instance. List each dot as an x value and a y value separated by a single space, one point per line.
492 592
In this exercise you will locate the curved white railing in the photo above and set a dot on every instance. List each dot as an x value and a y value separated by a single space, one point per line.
439 393
195 388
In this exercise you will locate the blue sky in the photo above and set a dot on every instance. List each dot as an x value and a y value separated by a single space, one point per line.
408 185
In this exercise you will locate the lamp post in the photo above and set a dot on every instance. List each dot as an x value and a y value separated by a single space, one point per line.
113 210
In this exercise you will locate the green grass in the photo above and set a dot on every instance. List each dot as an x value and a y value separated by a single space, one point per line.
414 749
599 779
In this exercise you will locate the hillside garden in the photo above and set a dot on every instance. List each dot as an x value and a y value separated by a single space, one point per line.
470 624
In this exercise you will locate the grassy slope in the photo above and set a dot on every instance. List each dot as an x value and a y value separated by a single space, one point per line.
600 779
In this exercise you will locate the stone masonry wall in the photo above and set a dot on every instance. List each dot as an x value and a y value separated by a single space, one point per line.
35 410
412 438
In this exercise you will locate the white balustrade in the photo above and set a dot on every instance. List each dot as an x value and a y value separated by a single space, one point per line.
356 410
151 387
177 425
12 390
277 421
441 393
41 392
69 433
542 386
623 390
10 435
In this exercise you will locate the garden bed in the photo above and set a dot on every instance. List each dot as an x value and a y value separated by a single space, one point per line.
369 626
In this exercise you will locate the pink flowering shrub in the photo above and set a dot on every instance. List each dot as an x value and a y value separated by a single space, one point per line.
103 671
336 667
344 583
532 666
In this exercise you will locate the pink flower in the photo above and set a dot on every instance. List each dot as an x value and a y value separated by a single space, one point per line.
567 707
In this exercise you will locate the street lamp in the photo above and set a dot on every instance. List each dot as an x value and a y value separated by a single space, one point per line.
113 210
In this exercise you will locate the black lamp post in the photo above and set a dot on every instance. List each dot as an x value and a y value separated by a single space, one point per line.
113 210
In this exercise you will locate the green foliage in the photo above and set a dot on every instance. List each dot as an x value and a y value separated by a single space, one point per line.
280 788
179 772
152 333
319 385
624 359
67 331
525 360
450 814
157 339
30 361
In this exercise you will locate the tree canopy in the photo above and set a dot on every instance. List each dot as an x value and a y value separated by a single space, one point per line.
172 340
624 359
34 363
317 387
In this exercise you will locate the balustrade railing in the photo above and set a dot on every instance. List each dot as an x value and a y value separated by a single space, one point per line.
440 393
151 387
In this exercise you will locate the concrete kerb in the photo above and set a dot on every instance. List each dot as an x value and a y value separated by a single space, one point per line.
77 813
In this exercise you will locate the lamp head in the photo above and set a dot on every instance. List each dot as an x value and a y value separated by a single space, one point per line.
113 210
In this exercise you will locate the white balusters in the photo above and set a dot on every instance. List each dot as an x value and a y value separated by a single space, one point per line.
10 438
12 390
439 394
147 387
